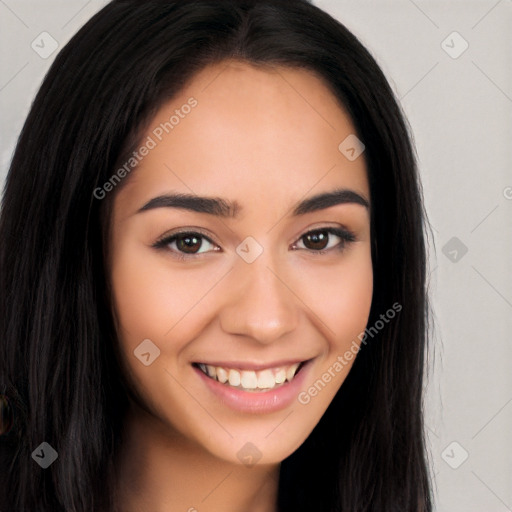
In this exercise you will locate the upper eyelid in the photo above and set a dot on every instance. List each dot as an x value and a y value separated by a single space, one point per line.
190 231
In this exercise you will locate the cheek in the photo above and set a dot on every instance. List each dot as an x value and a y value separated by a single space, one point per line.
153 301
349 313
341 297
139 299
149 298
341 301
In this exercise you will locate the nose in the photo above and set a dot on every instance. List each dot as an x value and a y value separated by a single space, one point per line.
260 303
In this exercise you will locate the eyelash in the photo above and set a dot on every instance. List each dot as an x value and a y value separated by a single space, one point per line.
345 236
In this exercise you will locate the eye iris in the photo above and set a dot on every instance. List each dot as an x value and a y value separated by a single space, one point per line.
319 240
188 243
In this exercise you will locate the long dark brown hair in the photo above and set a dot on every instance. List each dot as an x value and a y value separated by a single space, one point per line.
58 365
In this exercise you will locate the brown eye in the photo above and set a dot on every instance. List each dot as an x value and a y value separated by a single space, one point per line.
322 240
316 240
188 243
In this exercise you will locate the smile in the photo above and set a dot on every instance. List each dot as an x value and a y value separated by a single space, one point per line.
250 380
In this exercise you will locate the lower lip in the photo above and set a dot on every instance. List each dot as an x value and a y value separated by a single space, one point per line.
255 402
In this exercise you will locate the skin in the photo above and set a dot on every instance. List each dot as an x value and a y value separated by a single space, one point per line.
266 138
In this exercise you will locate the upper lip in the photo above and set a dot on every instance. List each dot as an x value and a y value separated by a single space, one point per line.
246 365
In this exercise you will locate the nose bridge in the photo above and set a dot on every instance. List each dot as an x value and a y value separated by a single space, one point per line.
260 305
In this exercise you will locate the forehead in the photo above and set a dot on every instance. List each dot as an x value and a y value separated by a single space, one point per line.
253 133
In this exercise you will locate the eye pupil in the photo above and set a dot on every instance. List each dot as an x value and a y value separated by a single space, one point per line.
188 243
319 240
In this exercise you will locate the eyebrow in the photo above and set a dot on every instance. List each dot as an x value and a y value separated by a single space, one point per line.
223 208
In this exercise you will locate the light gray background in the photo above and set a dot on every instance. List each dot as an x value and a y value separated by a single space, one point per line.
460 111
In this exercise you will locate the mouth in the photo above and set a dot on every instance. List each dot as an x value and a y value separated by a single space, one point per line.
255 381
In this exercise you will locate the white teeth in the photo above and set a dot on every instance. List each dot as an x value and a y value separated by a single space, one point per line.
248 380
266 379
251 380
222 375
280 376
290 373
234 378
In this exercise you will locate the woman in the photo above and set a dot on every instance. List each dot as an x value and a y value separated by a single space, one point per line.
213 271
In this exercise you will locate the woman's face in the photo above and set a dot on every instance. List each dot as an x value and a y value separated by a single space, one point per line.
246 285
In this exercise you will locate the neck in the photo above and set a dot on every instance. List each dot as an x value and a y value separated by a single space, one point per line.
160 470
